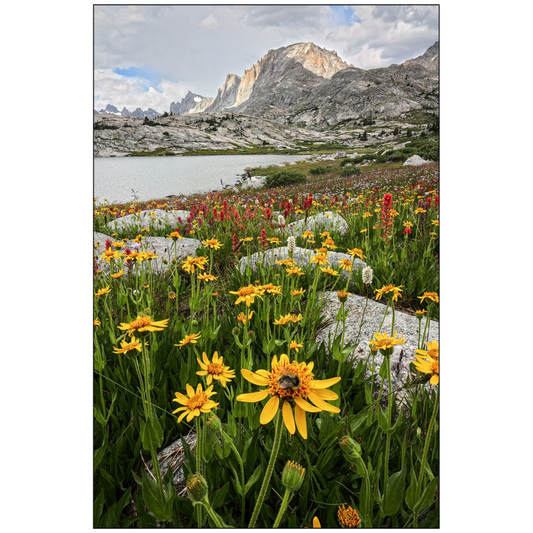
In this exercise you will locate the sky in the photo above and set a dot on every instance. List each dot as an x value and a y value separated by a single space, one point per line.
150 56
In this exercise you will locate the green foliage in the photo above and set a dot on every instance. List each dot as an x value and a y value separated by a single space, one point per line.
101 125
316 171
282 178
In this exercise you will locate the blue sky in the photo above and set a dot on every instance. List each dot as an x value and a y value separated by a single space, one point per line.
148 56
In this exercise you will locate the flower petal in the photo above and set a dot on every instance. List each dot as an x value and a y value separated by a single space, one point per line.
269 410
434 379
324 383
190 390
301 422
256 379
205 358
182 416
325 394
306 406
180 409
181 398
322 404
253 396
288 417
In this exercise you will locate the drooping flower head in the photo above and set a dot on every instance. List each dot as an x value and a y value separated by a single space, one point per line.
432 296
290 384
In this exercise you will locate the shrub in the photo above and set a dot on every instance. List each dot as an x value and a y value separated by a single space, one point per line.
318 170
284 177
350 171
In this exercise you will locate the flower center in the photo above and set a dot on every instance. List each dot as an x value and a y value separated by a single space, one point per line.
197 401
141 322
289 380
246 291
215 368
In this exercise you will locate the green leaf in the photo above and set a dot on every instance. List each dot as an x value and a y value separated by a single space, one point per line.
218 500
99 417
255 476
98 508
427 495
151 433
154 500
382 419
410 493
394 493
98 456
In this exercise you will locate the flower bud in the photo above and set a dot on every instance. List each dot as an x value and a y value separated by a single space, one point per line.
213 422
350 448
251 335
293 476
197 487
236 331
291 243
342 296
164 261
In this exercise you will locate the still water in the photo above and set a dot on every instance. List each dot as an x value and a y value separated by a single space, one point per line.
157 177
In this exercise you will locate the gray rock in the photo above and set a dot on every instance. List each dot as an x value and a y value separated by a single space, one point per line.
302 257
327 221
99 242
415 161
339 155
404 323
145 218
255 182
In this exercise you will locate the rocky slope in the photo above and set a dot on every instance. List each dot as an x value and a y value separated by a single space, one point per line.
192 103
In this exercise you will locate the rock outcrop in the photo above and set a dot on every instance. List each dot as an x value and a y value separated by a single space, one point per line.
155 218
327 221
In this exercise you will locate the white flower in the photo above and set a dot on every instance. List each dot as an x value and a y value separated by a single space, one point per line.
291 243
281 220
367 275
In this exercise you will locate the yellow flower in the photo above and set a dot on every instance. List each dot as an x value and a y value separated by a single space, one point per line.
384 343
329 243
212 243
389 290
356 252
119 274
196 403
294 270
295 346
274 240
125 347
101 292
330 271
348 517
192 339
408 224
290 384
363 231
207 277
215 369
325 234
433 296
427 365
420 210
175 235
342 295
97 322
432 351
420 313
298 292
247 239
171 295
435 222
191 263
242 317
111 254
247 294
308 235
319 259
367 214
316 523
142 324
283 320
271 288
345 264
285 262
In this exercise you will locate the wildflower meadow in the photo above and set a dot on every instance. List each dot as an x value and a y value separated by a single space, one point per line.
216 405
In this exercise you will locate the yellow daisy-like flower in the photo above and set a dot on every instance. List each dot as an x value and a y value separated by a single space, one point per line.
119 274
384 343
420 313
175 235
297 271
118 244
432 351
97 322
408 224
195 403
189 339
274 240
428 365
329 271
286 262
248 294
348 517
247 239
363 231
298 292
356 252
215 369
125 346
207 277
329 243
295 346
212 243
433 296
282 320
271 288
419 211
171 295
191 263
319 259
243 318
142 324
111 254
325 235
435 222
345 264
290 383
308 235
102 292
367 214
390 291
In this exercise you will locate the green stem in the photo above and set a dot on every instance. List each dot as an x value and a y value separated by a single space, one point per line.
270 469
216 519
241 466
198 462
424 456
283 508
389 422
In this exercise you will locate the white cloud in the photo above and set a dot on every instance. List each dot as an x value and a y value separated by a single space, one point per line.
131 92
210 22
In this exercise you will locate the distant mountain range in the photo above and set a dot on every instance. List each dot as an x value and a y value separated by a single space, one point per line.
308 85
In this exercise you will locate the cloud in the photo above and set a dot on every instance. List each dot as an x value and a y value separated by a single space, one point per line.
210 22
197 46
